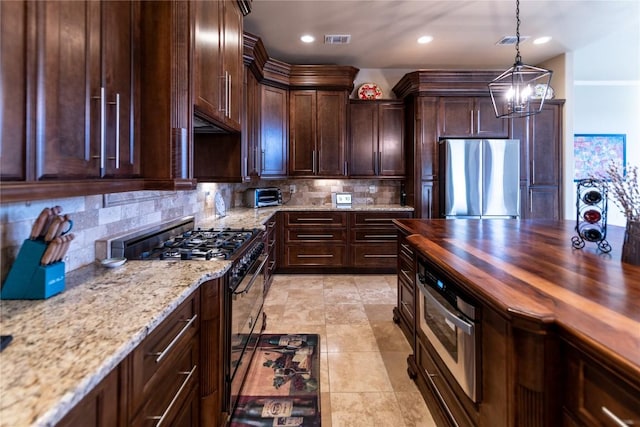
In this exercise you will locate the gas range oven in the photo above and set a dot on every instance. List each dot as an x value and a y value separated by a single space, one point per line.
243 300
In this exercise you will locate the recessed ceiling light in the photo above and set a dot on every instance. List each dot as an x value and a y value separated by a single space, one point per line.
542 40
425 39
307 38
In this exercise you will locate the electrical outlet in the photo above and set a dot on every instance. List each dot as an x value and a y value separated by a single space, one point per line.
372 189
292 188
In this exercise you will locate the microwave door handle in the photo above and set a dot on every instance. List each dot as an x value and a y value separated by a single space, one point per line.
465 326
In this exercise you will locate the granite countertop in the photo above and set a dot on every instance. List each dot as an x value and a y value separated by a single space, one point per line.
65 345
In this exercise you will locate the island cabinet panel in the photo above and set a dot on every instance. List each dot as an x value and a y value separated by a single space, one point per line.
317 133
164 367
213 330
470 117
404 314
100 408
376 139
597 396
270 243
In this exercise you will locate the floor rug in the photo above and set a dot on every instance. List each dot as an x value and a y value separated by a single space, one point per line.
282 387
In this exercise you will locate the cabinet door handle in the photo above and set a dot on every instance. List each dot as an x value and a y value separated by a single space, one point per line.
229 95
261 161
313 161
616 420
222 93
103 129
379 163
478 120
161 355
375 163
117 157
471 116
162 417
346 169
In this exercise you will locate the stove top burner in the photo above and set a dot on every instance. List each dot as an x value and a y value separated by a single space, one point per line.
201 244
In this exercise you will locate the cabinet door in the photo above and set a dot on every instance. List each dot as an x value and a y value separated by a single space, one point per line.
251 126
485 122
208 84
274 127
70 104
233 62
391 140
13 80
544 203
331 136
120 23
363 142
302 132
456 116
545 146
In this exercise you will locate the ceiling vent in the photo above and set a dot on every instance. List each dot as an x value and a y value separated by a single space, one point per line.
511 40
337 38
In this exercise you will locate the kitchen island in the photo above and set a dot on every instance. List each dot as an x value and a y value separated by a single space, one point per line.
559 336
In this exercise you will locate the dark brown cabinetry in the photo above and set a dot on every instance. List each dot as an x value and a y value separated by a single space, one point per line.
100 408
596 396
250 127
270 243
541 162
455 104
72 104
470 117
213 330
274 132
376 139
218 62
405 311
164 367
316 241
317 133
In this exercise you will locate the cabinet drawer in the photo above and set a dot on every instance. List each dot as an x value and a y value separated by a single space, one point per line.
406 254
314 235
406 300
173 390
598 397
315 255
324 219
158 352
377 219
374 235
375 256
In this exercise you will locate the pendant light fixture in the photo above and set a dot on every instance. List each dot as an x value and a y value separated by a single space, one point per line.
512 91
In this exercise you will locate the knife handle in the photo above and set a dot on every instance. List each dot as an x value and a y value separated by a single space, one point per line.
47 257
52 231
39 224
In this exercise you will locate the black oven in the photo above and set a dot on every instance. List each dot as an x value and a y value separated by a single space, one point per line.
450 323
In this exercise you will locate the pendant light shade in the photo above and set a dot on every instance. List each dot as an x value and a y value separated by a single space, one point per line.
513 90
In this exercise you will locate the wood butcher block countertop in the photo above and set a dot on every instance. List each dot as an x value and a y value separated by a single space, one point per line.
529 269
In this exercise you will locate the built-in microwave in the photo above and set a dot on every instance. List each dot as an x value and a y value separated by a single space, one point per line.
450 323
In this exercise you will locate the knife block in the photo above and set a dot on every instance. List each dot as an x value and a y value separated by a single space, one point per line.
27 279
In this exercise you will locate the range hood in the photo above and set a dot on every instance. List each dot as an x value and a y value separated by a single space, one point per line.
202 125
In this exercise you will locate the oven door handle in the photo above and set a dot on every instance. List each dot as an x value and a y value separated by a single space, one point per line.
450 315
253 277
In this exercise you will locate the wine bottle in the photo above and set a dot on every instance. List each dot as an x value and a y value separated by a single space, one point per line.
592 216
592 197
590 232
403 195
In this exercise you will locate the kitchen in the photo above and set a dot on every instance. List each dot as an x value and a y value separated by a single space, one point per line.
99 216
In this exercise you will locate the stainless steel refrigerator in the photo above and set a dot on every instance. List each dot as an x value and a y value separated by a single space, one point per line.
480 178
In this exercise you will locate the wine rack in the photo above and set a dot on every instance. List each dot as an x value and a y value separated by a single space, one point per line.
591 215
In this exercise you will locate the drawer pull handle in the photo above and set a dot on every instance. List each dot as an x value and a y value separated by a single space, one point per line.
404 272
317 236
406 248
378 219
316 256
173 342
380 256
613 417
431 377
314 219
175 397
379 236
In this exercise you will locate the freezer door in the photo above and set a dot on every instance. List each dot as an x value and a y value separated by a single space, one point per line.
462 180
501 178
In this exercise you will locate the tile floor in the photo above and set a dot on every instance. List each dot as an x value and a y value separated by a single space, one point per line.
364 381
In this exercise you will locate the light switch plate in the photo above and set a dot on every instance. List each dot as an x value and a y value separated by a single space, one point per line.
343 198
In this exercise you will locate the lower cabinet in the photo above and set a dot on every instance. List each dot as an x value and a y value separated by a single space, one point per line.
596 396
270 240
405 311
338 241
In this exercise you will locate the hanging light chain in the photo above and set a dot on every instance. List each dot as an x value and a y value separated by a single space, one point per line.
518 57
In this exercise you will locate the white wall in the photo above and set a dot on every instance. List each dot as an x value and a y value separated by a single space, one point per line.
607 99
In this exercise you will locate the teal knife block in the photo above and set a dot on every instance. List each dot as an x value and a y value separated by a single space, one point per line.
28 279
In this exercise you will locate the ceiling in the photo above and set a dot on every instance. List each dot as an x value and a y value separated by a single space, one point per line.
384 32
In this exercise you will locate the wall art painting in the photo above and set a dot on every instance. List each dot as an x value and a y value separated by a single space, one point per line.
593 152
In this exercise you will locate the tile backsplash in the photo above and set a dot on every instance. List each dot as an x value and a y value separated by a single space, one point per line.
101 217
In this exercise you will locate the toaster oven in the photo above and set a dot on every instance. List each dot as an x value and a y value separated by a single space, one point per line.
260 197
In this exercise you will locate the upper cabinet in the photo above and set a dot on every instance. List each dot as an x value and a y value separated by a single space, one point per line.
70 76
274 132
218 70
376 139
317 133
470 117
